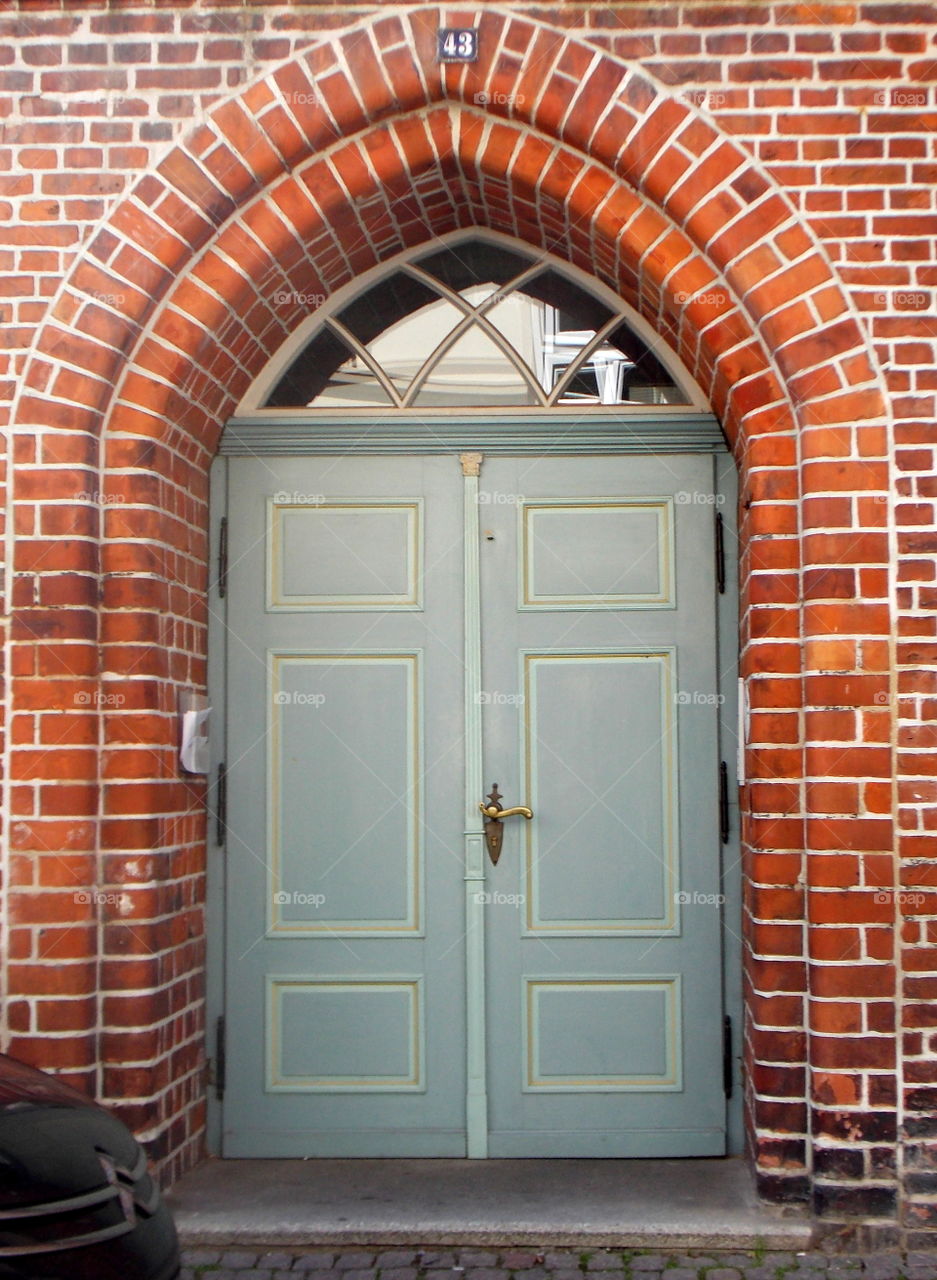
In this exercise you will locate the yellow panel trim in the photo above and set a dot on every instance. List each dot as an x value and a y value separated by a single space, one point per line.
339 928
622 928
665 543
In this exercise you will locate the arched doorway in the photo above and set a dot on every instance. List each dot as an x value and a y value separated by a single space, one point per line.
215 255
471 529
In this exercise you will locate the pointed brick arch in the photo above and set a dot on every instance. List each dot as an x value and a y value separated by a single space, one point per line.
338 159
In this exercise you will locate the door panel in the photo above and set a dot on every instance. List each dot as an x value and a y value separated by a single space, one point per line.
625 890
362 715
597 554
600 708
347 960
345 1011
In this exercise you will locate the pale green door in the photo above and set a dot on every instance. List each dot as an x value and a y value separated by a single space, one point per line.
600 699
591 974
345 973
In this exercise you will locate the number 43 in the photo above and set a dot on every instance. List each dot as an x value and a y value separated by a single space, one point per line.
458 44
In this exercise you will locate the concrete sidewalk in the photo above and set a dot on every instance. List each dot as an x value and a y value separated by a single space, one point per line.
682 1204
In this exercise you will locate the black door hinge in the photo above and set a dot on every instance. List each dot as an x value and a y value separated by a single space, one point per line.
223 558
723 802
720 553
221 805
727 1056
221 1058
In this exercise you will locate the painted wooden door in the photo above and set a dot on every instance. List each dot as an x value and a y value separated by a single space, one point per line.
590 953
600 700
345 974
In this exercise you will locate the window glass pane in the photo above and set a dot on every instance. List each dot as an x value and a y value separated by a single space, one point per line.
384 305
402 349
578 310
327 371
475 372
583 387
476 294
353 386
400 323
474 263
645 378
521 320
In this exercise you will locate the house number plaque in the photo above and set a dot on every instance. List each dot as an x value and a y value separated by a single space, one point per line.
457 44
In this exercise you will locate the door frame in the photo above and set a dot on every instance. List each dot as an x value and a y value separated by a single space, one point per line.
670 433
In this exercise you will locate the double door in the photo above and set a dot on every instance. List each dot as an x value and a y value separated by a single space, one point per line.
402 635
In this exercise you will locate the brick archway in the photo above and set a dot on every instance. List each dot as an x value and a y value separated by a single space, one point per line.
339 158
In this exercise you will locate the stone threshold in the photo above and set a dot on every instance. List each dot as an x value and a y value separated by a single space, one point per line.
635 1204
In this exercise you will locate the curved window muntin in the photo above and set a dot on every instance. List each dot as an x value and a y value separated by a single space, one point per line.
471 316
253 403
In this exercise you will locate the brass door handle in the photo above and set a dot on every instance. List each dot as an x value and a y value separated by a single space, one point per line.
494 833
495 814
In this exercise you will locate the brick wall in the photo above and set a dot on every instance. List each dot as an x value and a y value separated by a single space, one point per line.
759 182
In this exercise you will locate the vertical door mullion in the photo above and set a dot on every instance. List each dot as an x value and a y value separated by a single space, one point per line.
476 1073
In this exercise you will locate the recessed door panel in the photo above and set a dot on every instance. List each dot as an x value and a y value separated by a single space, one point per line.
598 728
602 1034
374 1042
343 555
345 725
600 553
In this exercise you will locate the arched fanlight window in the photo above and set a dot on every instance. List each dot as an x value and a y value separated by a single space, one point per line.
475 323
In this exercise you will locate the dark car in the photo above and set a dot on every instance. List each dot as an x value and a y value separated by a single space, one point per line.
76 1200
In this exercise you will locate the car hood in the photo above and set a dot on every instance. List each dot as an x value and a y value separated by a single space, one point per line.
21 1085
50 1136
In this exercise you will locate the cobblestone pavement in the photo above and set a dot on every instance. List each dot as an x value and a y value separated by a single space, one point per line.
524 1264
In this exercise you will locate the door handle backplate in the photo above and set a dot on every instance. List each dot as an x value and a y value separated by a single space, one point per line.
494 812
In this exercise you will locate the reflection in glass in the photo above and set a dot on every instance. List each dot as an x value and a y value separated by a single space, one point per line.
474 371
402 349
474 262
579 310
384 304
432 341
520 319
312 370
